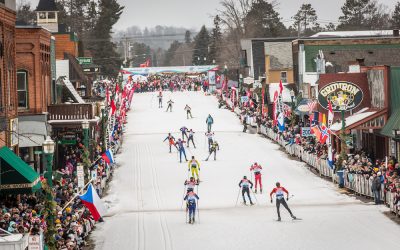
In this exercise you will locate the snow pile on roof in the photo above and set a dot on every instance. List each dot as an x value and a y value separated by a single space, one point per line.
354 33
353 119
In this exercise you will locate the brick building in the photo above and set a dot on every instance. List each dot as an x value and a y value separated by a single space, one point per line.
34 89
8 88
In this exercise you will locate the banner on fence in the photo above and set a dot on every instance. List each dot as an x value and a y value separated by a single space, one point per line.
306 132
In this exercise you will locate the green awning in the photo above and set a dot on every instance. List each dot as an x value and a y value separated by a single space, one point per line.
392 123
15 175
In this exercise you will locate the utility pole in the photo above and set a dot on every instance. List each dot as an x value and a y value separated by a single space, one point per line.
125 50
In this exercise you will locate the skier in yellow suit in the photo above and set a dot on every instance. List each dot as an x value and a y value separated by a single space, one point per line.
194 165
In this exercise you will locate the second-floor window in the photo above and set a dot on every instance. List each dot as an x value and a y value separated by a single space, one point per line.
22 85
284 76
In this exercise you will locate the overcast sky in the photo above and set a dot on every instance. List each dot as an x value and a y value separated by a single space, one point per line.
195 13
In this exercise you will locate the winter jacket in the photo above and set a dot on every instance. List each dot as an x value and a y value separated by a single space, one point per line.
376 184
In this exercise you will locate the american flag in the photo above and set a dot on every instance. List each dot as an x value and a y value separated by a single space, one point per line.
311 105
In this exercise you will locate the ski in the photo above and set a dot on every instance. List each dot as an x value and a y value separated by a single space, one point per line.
297 218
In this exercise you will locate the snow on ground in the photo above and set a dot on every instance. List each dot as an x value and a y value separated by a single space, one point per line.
146 193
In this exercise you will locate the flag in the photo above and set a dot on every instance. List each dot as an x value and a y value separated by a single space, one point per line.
320 118
311 105
281 122
325 133
274 107
280 87
330 122
108 156
113 107
93 202
330 114
317 132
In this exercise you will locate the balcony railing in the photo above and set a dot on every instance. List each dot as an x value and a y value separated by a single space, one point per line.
70 112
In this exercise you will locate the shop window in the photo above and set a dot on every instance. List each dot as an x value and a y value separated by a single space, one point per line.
284 76
22 89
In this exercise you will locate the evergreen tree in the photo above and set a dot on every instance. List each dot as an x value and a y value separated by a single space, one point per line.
201 42
140 53
216 38
306 20
188 38
25 15
330 27
357 14
170 54
396 17
263 21
102 48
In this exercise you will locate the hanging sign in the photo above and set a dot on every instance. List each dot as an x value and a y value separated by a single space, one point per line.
81 176
342 94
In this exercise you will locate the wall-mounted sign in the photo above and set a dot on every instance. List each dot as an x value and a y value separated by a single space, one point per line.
84 60
304 108
342 94
13 132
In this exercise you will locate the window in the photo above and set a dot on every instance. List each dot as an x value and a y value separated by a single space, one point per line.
22 89
284 76
51 15
42 15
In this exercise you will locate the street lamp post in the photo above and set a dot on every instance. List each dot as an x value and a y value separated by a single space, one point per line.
85 127
343 144
103 122
48 151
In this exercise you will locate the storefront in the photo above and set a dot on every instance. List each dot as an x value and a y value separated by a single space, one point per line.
364 99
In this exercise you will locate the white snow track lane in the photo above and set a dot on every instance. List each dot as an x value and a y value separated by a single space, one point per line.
146 193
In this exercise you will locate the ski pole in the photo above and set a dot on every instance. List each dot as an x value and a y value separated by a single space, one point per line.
184 188
198 212
186 220
237 199
254 195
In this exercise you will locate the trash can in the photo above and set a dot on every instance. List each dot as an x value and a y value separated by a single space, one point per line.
340 174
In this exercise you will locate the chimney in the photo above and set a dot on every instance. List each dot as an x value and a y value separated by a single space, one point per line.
396 32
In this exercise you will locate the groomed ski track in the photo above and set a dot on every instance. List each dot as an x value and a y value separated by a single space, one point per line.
146 193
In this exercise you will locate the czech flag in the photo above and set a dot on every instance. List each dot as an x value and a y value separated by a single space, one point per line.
108 156
93 202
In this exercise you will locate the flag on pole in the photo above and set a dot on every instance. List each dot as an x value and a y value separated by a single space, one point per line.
330 122
281 122
113 107
108 156
93 202
280 87
330 114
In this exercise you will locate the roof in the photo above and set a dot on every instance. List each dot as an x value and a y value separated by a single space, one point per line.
362 116
359 33
392 123
16 175
271 39
73 91
47 5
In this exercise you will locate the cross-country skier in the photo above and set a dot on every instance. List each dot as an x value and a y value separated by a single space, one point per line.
188 111
209 136
194 166
213 149
190 184
181 149
171 141
160 99
191 138
280 199
190 199
256 168
209 122
244 185
183 131
170 102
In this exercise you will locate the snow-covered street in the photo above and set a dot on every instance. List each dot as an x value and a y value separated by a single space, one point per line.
145 197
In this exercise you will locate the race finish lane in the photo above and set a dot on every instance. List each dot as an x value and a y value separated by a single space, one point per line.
146 193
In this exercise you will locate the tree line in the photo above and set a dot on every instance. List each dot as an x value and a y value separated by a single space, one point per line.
240 19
